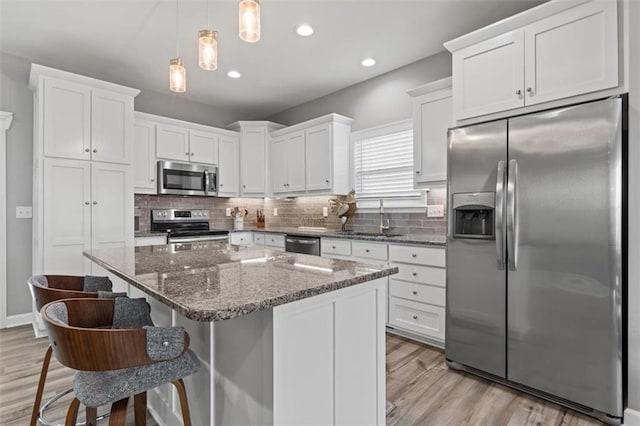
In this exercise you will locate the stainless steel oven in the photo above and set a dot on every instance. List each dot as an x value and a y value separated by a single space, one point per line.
187 179
304 245
186 226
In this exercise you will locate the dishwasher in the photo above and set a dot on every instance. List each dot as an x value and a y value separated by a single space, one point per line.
304 245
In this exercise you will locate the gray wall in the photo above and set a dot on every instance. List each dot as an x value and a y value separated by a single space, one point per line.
374 102
16 97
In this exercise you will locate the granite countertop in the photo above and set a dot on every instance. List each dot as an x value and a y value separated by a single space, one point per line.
213 281
142 234
420 239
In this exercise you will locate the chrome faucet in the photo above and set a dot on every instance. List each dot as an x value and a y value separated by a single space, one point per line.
383 227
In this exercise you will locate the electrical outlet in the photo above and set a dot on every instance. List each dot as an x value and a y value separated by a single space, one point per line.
436 210
325 211
24 212
228 211
275 211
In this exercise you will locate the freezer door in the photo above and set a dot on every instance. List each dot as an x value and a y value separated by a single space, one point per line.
475 333
564 255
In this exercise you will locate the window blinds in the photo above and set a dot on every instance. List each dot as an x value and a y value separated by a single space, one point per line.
384 166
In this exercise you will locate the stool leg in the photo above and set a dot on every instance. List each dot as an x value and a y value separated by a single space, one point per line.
184 404
92 416
140 408
72 413
43 378
118 416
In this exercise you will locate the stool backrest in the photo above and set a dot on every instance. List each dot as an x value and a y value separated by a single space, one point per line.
81 337
49 288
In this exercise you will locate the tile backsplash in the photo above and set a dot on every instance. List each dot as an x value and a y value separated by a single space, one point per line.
294 212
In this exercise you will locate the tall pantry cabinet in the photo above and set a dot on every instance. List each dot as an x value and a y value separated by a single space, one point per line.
83 182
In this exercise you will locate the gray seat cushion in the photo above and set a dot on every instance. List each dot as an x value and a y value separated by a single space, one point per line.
39 280
131 313
93 284
96 388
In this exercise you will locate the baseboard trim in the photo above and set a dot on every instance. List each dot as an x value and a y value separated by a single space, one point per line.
631 417
17 320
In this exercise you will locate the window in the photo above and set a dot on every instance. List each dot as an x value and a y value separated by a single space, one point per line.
383 166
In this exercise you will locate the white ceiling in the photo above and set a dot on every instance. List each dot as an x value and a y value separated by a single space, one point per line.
131 42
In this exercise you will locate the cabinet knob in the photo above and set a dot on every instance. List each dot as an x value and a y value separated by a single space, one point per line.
95 150
87 150
284 184
414 255
221 185
415 293
326 181
152 180
95 202
530 91
87 203
415 317
518 92
192 154
367 250
244 186
333 247
417 172
415 274
186 153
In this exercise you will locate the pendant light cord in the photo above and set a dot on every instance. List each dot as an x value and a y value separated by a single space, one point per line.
177 33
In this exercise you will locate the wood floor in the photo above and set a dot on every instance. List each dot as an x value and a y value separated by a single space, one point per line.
419 383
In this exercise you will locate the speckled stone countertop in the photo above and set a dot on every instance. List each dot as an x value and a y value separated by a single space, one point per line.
418 239
213 281
142 234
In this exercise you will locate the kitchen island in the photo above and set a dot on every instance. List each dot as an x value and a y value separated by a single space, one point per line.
283 338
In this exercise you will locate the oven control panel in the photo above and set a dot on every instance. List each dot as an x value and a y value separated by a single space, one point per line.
176 215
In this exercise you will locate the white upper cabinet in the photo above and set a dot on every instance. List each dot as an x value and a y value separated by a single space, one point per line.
228 175
203 147
81 118
288 163
144 157
432 117
318 142
554 51
172 142
278 165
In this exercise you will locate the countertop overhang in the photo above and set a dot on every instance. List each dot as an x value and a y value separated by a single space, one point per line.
214 281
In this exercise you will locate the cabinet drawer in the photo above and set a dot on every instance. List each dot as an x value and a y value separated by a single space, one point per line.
417 317
417 292
369 251
274 240
339 247
241 238
150 241
421 274
417 255
259 238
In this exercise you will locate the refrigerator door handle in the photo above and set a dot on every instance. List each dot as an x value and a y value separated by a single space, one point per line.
499 214
512 216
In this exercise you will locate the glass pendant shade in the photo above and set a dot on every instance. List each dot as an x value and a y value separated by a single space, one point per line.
177 76
249 19
208 50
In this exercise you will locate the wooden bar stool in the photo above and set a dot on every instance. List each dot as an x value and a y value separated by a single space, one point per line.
48 288
118 354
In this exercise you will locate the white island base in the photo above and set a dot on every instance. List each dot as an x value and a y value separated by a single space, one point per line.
319 360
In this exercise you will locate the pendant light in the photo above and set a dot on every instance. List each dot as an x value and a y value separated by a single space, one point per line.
249 20
208 46
177 71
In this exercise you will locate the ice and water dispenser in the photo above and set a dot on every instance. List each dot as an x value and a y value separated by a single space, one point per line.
473 215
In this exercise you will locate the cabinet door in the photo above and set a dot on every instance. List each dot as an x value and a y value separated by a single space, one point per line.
252 161
572 53
172 142
111 205
111 127
489 76
228 176
66 216
66 124
144 157
432 118
279 164
295 162
318 162
203 147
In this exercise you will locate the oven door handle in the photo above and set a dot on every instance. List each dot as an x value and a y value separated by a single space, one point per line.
297 241
197 239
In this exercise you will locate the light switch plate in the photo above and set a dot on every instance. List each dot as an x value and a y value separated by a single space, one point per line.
24 212
436 210
228 211
325 211
275 211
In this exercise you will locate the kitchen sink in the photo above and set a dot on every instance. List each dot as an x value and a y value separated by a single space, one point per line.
370 234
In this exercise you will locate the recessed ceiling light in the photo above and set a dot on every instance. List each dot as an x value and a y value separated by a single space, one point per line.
233 74
304 30
368 62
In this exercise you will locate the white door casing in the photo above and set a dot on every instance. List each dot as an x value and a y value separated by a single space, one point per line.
5 122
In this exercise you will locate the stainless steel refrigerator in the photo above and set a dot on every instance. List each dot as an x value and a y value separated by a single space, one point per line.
535 252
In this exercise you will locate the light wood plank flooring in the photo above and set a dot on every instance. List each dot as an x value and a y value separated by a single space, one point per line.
419 383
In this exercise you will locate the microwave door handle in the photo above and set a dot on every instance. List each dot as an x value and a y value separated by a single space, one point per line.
499 215
206 181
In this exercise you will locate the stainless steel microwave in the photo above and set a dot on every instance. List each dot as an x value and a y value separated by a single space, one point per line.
187 179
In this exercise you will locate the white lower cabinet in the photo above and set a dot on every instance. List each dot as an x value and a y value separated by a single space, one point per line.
334 248
241 238
269 240
419 318
154 240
